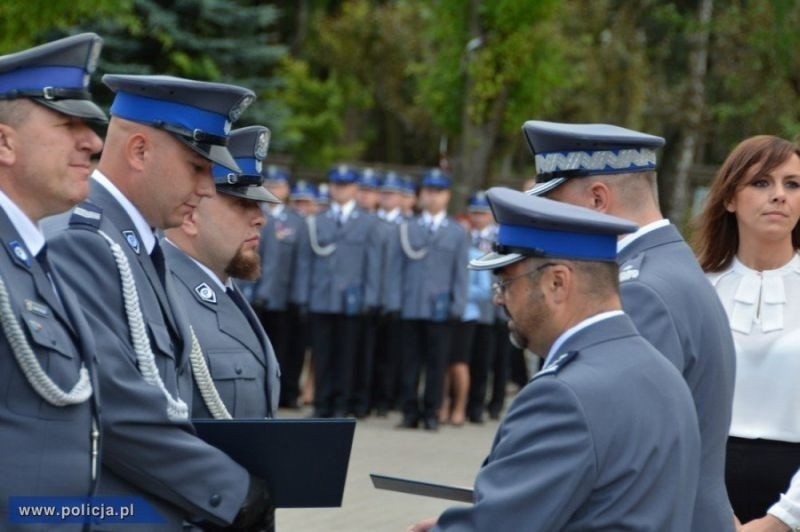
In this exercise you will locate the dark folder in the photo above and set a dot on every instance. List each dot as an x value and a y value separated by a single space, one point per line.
417 487
303 461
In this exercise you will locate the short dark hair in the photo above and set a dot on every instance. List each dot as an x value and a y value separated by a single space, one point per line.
716 235
12 113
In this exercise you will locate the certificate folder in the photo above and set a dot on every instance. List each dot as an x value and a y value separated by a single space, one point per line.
417 487
303 461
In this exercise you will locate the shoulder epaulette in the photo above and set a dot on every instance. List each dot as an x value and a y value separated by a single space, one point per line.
629 270
86 213
557 364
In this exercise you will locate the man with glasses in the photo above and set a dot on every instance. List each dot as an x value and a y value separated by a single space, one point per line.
605 437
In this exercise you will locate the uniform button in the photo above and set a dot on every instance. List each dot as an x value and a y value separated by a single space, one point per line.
215 500
238 370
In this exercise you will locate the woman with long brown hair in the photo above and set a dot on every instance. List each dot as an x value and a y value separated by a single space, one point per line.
747 240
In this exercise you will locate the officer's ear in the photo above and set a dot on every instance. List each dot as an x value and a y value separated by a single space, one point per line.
136 148
189 225
599 196
8 143
557 282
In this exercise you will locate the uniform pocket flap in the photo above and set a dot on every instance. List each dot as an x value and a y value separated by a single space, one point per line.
45 333
229 365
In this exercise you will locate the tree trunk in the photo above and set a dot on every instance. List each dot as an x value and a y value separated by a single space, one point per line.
477 139
690 135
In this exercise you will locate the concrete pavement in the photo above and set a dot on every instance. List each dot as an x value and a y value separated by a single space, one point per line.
450 456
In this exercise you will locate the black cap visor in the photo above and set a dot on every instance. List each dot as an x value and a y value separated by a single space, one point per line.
251 192
85 109
212 152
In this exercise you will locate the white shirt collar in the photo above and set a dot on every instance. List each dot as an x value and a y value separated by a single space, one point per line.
344 210
574 329
392 215
276 210
142 227
434 221
652 226
30 232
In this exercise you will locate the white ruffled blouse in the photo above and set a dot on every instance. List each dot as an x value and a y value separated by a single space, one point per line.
764 311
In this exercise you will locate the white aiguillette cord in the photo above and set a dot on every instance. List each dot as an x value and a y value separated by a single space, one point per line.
30 366
145 360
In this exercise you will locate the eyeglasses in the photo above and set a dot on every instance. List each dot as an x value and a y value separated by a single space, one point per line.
499 287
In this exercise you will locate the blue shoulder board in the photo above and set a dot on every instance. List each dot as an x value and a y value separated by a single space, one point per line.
86 213
629 270
557 364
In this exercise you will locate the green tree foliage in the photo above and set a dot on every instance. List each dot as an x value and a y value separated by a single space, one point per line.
349 89
755 73
24 23
228 41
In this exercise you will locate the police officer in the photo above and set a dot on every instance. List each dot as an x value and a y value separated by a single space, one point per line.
386 378
303 198
612 170
369 184
409 202
272 296
49 388
482 349
431 293
235 369
323 197
603 438
341 258
162 138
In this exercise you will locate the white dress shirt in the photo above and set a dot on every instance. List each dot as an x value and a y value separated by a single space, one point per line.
764 310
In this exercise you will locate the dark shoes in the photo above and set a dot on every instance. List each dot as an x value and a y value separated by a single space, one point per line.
408 423
431 423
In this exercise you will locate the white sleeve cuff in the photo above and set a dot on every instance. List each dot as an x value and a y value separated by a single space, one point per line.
787 509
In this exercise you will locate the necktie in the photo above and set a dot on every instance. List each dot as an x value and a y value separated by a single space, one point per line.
157 256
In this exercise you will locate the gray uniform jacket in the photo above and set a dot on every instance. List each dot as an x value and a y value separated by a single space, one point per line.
434 287
240 359
279 251
677 310
145 452
348 280
603 439
45 450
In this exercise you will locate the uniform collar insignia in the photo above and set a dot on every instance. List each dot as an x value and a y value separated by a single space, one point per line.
206 293
20 253
562 360
133 242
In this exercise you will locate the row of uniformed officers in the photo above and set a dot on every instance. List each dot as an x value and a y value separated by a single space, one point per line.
385 292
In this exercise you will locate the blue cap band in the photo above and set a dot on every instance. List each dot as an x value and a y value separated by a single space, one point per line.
150 110
559 243
41 77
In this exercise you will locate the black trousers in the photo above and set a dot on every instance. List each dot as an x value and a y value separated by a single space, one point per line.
757 472
483 347
361 398
388 355
426 347
282 327
334 342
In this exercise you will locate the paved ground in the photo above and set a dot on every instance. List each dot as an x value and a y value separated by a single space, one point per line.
450 456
